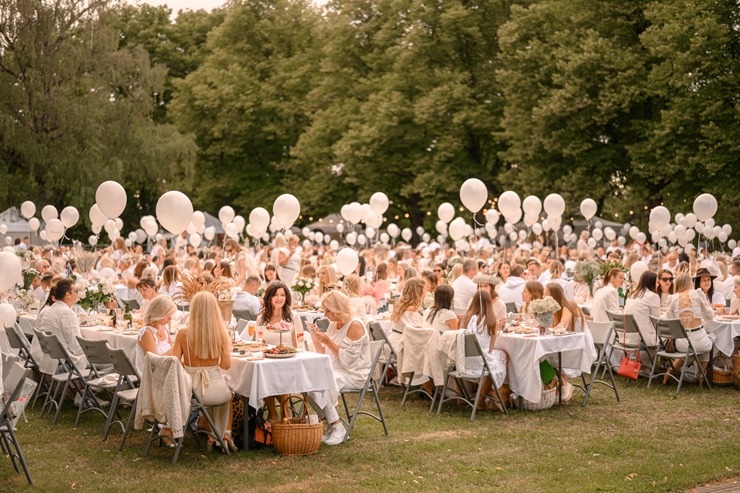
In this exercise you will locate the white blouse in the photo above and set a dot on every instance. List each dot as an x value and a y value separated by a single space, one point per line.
440 319
352 365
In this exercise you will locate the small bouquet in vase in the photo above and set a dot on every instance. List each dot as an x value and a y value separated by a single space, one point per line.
543 310
303 285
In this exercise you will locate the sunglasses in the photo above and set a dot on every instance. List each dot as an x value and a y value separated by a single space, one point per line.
437 270
666 279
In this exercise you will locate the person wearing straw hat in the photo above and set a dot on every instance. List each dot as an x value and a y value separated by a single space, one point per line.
704 281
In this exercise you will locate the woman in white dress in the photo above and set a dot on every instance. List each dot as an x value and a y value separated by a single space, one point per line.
488 282
704 282
440 315
347 343
480 319
607 297
352 287
170 284
665 286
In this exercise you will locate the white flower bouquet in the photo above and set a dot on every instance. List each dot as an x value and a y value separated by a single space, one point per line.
303 285
543 306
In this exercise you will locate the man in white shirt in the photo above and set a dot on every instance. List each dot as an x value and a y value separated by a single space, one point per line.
511 290
671 262
728 285
464 286
246 299
534 270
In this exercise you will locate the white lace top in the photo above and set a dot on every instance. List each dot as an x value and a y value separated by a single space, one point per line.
693 310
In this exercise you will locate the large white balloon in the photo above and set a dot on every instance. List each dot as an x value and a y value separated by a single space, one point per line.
226 214
28 209
660 216
195 240
209 233
259 218
637 269
705 206
508 203
92 240
69 216
492 216
48 213
231 231
354 212
458 229
111 199
532 207
445 212
97 216
287 209
54 230
33 224
10 270
407 234
441 227
174 211
393 230
7 315
379 203
588 208
554 205
473 194
347 261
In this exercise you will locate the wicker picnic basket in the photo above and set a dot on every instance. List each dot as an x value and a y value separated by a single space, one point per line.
722 372
295 436
548 400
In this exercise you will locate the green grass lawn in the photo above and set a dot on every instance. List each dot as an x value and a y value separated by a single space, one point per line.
651 441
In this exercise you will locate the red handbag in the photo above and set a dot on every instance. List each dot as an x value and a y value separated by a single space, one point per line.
630 365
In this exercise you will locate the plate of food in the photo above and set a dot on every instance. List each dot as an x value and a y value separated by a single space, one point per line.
281 326
280 352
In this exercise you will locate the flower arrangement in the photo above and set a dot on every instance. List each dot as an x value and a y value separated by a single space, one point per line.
221 288
29 274
303 285
588 270
543 306
612 264
95 294
25 298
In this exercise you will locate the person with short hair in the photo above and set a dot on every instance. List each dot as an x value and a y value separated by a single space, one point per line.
60 320
607 297
464 286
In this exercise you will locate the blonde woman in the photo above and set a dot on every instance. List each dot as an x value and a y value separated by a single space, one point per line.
170 284
347 343
204 349
327 279
406 313
352 288
239 260
154 337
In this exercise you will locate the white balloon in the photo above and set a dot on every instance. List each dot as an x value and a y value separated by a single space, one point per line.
426 237
508 203
54 229
240 223
379 203
351 238
529 220
690 234
446 212
319 237
209 233
287 209
554 205
731 244
370 232
513 236
373 220
419 231
48 213
473 194
532 207
151 228
28 209
114 234
727 229
610 233
722 236
384 237
10 271
334 245
174 211
546 225
192 228
340 227
705 206
699 227
111 199
660 216
140 236
633 232
599 224
537 228
641 238
226 214
458 229
492 216
195 240
96 228
591 242
354 212
42 234
92 240
555 222
665 230
69 216
689 220
672 237
132 236
406 234
109 225
7 315
128 242
588 208
597 234
678 217
709 233
9 240
96 215
347 261
508 227
260 220
441 227
231 231
393 230
4 227
515 217
306 230
637 269
33 224
361 239
344 212
119 223
198 219
567 229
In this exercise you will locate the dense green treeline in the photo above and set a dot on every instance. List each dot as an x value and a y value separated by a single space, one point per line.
631 103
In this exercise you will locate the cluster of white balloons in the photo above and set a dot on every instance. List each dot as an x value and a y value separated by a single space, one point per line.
55 224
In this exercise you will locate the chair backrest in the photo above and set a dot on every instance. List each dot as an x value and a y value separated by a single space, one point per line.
132 304
600 331
241 324
244 315
472 346
670 328
624 322
376 349
96 352
7 361
322 324
121 363
511 307
13 384
58 352
42 340
183 308
17 339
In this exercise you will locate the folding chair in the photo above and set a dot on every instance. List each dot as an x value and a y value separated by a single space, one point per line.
472 349
387 359
132 304
511 308
8 417
625 324
409 375
241 324
68 376
376 349
97 355
673 329
126 392
602 334
244 315
196 406
19 341
322 324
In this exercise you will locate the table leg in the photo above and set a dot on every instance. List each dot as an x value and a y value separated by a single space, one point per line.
245 427
560 378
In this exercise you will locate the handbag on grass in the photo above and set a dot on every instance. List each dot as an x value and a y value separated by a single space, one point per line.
630 365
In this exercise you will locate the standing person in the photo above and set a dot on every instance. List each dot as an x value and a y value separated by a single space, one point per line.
204 348
606 299
238 258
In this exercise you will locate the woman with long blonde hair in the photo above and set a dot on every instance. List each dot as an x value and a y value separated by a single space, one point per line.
406 313
204 349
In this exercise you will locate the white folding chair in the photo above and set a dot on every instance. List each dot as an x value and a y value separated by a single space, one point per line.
244 315
126 392
420 333
625 324
673 329
97 378
472 349
602 334
376 349
9 413
387 359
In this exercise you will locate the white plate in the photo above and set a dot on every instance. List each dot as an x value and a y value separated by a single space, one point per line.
279 356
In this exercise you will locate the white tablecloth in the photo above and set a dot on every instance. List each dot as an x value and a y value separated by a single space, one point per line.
723 333
116 339
523 372
306 372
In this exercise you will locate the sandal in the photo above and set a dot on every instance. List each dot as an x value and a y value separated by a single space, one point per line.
165 435
229 441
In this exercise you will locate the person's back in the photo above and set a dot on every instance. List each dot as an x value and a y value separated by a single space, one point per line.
511 290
